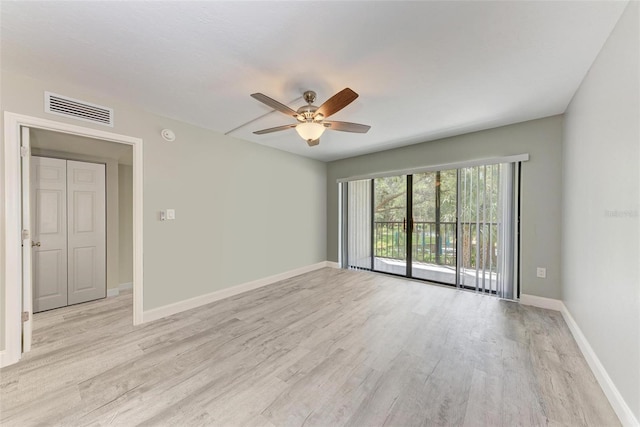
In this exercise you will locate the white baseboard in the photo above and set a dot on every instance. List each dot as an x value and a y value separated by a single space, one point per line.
333 264
541 302
188 304
616 400
114 292
5 360
608 387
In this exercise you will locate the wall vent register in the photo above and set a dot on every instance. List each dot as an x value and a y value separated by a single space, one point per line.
77 109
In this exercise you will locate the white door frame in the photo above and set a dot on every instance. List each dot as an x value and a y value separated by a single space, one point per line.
13 123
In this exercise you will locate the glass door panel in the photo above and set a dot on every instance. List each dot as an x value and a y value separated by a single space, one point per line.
481 225
390 224
434 238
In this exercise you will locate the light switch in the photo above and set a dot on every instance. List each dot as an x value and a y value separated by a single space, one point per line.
542 273
171 214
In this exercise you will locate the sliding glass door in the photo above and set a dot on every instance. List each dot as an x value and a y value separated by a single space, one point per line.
455 226
434 231
390 224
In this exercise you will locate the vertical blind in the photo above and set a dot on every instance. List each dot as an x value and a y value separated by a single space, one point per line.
486 236
507 236
359 224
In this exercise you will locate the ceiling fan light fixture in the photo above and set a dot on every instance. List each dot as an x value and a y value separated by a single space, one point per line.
311 119
310 131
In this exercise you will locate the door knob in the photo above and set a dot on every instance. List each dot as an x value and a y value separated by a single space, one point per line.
35 244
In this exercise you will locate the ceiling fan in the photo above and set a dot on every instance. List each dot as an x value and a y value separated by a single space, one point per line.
311 119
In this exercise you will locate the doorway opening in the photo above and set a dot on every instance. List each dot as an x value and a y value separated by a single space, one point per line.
81 216
17 251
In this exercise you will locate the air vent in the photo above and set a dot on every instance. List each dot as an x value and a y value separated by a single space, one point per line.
74 108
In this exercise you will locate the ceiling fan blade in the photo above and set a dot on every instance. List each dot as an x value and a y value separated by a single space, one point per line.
347 126
337 102
274 104
314 142
275 129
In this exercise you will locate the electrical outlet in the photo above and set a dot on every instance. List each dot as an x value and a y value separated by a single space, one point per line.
171 214
541 273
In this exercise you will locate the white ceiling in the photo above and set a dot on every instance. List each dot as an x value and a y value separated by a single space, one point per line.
424 70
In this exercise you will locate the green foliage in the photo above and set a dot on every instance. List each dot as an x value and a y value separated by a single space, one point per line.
390 198
479 187
479 192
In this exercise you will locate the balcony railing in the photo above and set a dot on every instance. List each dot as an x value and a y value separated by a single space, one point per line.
431 247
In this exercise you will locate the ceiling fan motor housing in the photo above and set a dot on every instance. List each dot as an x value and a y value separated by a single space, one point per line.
309 96
306 113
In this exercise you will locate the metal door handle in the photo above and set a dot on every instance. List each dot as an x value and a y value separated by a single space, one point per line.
35 244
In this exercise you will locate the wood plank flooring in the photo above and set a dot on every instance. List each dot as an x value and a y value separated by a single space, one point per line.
327 348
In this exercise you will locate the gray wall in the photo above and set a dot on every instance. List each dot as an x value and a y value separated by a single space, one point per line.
244 211
125 223
540 216
600 240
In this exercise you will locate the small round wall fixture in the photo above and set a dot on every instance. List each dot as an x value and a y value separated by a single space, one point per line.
168 135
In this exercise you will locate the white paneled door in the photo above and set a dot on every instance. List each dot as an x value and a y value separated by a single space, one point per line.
69 238
87 231
49 218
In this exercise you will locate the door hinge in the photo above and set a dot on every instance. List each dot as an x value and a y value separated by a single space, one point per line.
25 316
24 151
26 235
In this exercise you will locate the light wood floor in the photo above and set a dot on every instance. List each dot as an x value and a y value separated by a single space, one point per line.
327 348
